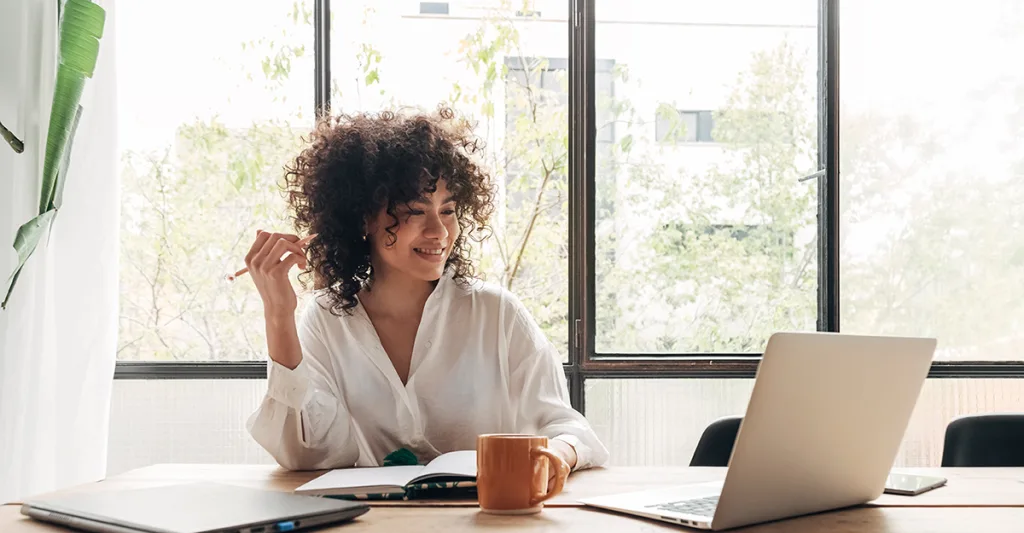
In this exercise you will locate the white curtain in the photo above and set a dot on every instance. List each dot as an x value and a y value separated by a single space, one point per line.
58 334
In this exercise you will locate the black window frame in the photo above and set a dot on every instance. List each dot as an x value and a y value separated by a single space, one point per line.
584 363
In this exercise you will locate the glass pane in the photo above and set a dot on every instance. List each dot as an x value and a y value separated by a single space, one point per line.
705 246
659 421
211 107
508 75
932 166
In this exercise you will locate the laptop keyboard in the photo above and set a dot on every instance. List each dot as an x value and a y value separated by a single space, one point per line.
699 506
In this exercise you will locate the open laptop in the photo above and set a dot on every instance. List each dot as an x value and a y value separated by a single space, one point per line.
822 429
191 508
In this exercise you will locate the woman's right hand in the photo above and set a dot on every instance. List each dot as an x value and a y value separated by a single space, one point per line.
269 272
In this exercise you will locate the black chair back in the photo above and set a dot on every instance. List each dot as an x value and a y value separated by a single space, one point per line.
715 445
985 440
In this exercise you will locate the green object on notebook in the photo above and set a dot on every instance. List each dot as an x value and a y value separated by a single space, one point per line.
449 476
401 456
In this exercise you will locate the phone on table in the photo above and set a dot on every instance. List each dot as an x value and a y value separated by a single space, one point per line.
912 485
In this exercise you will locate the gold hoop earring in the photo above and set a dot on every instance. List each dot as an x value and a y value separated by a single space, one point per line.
364 238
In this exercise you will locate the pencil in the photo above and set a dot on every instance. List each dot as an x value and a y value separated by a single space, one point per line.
301 242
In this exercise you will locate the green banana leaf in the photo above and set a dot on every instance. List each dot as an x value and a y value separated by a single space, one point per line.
81 28
65 162
15 142
25 243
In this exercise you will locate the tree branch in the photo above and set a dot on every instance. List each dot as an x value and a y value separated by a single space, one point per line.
529 228
806 262
499 243
15 142
129 344
546 172
240 311
190 295
211 348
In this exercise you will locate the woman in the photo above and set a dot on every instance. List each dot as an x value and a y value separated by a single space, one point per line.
400 347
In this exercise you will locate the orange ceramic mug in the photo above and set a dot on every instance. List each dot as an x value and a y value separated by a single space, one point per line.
512 473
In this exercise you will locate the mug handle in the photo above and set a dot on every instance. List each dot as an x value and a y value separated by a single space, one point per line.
554 461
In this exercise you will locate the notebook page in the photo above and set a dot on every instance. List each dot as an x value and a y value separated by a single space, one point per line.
354 478
461 463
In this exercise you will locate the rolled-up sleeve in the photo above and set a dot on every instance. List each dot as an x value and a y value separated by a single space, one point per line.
539 389
302 421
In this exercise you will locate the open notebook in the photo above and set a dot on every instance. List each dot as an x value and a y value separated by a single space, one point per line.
447 474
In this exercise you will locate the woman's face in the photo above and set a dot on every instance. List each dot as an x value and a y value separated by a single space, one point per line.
427 229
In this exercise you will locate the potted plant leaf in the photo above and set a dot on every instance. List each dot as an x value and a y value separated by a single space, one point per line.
81 28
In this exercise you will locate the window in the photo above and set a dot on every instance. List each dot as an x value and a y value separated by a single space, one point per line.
932 183
675 126
201 156
658 251
706 291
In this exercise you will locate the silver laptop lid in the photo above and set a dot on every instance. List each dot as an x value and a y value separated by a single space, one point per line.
191 508
824 424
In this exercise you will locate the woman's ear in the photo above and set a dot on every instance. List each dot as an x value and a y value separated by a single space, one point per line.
376 223
369 227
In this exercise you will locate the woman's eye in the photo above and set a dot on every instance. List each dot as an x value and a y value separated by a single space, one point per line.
413 212
448 212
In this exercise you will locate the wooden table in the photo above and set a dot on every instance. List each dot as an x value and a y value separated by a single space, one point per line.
975 499
967 487
584 520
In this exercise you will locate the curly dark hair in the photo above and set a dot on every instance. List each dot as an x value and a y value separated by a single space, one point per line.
355 165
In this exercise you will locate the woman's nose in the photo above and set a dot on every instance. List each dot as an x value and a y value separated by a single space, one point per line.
435 228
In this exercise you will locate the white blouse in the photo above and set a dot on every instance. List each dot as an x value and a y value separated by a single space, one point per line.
480 364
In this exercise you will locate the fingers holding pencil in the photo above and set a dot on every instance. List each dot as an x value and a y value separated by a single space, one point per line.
268 248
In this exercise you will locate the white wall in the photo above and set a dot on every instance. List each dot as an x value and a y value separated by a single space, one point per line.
183 421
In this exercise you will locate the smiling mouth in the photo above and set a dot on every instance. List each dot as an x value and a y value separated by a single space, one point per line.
429 251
